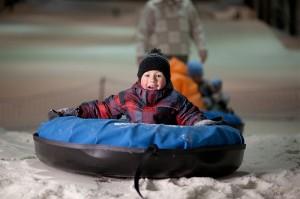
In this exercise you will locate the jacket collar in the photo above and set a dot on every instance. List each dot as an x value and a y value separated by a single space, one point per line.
151 97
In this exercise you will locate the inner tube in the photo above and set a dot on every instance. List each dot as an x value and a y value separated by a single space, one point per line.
115 148
230 119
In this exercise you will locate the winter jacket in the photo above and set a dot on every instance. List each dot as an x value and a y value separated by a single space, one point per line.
165 106
184 84
169 25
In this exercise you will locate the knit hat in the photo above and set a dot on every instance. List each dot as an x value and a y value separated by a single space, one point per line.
195 68
216 83
155 60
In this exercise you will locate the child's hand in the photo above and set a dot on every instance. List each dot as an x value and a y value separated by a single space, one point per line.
205 122
203 55
62 112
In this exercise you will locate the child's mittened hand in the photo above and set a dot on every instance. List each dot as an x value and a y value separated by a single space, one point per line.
62 112
205 122
203 55
53 114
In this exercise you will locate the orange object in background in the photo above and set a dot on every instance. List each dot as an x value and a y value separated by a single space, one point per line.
184 84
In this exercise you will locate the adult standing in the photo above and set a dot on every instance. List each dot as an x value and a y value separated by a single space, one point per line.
170 25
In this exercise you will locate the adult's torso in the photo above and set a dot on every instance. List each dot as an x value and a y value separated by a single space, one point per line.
171 28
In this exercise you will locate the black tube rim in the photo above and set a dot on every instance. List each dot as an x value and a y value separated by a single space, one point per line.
133 150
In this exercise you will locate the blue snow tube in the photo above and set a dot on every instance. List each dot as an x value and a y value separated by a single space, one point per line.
116 148
230 119
116 133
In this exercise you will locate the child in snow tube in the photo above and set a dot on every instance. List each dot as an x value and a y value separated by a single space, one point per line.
211 90
151 99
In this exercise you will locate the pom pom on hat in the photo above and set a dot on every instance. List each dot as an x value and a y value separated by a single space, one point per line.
195 68
155 60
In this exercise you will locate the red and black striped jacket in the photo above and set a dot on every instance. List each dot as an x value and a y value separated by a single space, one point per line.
164 106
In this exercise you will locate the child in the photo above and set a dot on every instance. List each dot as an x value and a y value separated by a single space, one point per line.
219 98
151 99
212 93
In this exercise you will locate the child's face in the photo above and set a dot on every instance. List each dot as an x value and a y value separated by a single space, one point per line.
153 80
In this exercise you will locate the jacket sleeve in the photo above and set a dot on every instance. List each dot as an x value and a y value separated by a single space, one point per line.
110 108
188 114
145 29
197 32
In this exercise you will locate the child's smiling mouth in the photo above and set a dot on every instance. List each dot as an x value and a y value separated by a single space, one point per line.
152 87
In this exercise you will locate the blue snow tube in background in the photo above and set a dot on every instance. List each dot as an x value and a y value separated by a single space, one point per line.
230 119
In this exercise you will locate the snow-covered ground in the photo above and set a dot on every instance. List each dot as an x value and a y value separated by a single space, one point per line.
271 169
44 56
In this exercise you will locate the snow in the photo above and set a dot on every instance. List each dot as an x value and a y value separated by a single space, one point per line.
248 55
271 169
